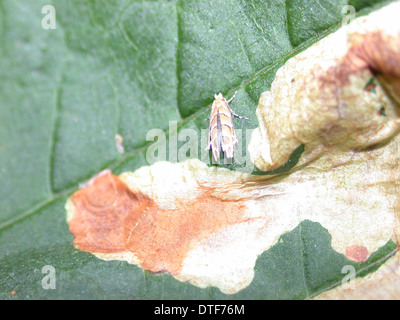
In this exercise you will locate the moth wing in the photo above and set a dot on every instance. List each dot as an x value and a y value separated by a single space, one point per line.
216 142
229 142
214 139
210 125
228 133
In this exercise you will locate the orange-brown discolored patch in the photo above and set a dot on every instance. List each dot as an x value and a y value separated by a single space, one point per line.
111 218
357 253
376 52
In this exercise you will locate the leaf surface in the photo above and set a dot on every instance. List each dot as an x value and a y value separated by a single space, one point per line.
126 67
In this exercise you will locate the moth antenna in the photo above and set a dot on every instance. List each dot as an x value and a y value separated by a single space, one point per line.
233 97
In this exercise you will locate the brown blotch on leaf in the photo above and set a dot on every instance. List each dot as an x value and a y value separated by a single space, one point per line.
111 218
379 53
357 253
328 107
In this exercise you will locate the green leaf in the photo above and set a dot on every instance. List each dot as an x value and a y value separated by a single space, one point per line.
125 67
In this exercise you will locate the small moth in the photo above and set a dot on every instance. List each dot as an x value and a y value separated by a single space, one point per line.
221 133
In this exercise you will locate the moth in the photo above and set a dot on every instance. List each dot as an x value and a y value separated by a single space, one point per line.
221 133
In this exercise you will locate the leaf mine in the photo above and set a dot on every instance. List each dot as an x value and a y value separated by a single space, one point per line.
208 225
319 97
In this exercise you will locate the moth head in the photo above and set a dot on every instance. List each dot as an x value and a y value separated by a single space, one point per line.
219 96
